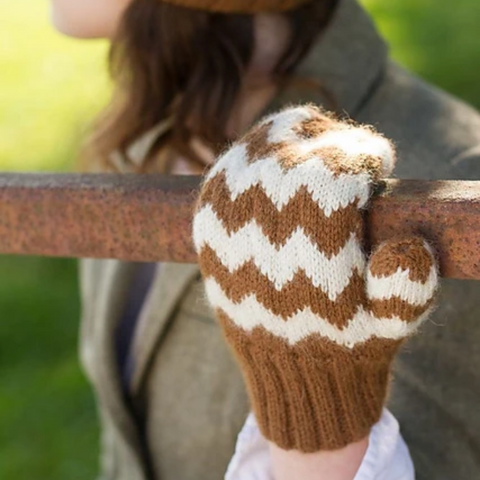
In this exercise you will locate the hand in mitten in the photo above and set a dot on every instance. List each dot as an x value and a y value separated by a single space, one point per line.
314 326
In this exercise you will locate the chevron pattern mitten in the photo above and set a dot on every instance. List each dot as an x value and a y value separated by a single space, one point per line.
314 325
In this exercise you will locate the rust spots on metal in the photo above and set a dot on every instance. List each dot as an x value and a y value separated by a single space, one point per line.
148 217
130 217
446 213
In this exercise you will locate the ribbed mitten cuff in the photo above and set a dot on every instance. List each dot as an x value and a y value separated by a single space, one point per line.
315 395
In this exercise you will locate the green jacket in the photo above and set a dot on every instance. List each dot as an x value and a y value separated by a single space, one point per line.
188 399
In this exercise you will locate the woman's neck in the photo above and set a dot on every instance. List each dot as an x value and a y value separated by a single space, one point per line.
271 38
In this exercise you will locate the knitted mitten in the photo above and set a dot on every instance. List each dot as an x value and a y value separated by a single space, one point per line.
314 327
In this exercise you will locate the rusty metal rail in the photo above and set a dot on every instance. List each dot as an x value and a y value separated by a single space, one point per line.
147 218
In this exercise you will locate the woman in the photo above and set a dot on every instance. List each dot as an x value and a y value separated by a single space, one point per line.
179 403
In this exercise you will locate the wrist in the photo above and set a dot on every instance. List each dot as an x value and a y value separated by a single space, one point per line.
341 464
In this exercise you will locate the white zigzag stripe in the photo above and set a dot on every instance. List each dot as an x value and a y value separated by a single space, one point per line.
283 124
278 264
399 285
328 191
353 141
250 313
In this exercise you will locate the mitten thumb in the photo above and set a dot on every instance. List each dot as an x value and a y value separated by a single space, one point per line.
402 280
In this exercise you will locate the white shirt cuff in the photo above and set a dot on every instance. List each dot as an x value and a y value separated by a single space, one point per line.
387 456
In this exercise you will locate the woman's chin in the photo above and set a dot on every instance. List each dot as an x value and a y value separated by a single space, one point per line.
74 24
71 30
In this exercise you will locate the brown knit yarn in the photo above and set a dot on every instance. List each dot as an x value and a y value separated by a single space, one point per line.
313 323
315 395
239 6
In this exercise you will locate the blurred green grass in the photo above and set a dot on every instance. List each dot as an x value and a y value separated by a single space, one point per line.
437 40
50 87
47 416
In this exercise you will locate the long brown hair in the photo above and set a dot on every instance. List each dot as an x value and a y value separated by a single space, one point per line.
180 63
